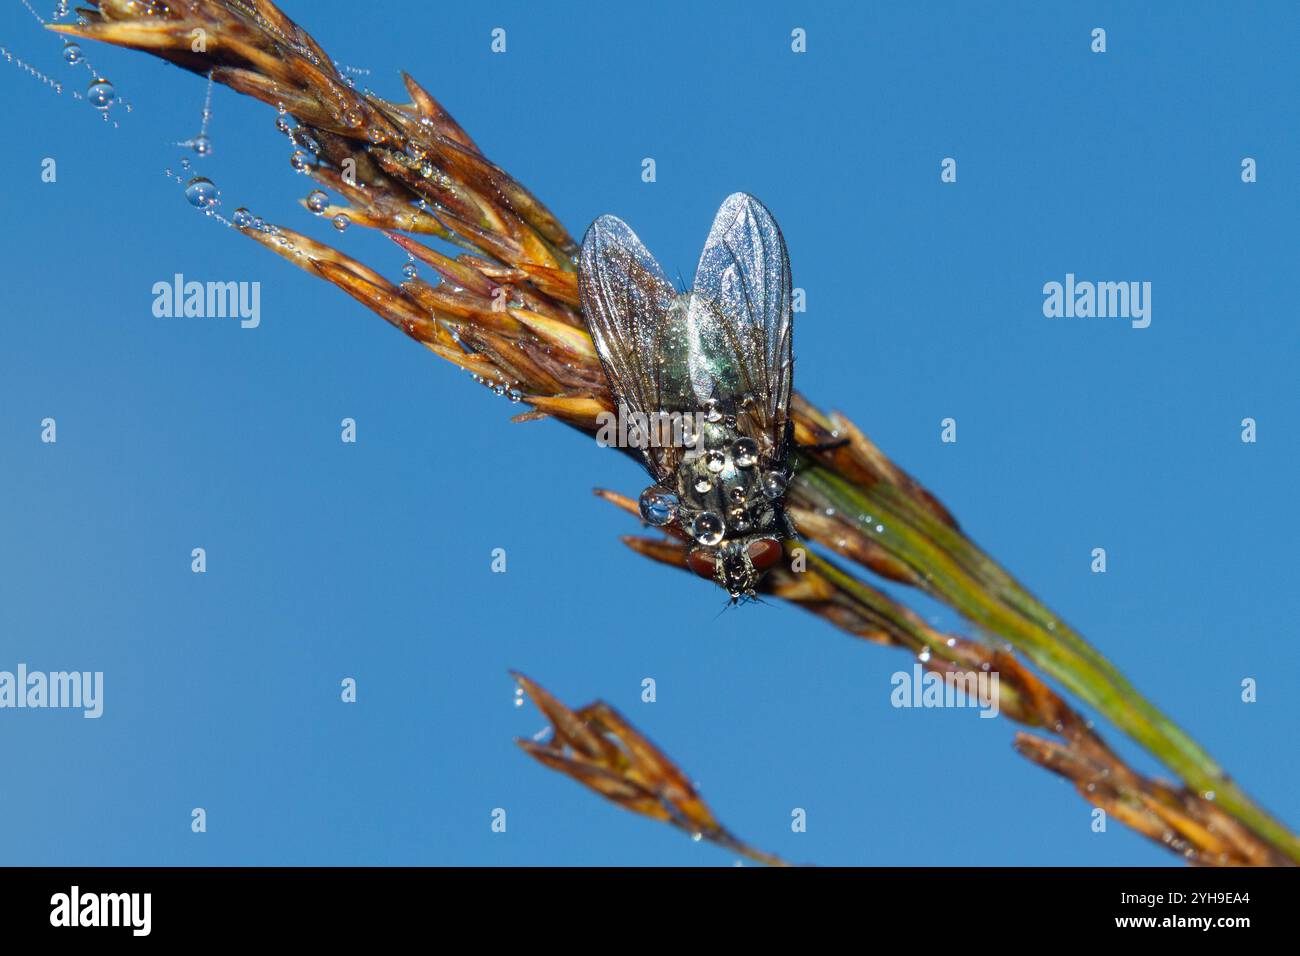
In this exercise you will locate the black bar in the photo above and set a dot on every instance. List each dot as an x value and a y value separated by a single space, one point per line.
521 906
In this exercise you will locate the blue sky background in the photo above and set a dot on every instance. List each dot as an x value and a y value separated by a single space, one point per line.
328 560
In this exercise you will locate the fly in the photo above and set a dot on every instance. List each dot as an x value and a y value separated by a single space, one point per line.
719 356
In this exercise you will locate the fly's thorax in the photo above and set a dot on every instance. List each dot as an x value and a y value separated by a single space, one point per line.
726 488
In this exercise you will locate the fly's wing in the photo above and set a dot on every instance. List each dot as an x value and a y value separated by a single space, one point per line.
743 279
626 299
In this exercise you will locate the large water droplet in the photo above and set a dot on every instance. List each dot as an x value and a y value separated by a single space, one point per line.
658 507
707 528
299 160
409 271
72 53
316 201
715 461
200 192
745 452
201 145
341 222
242 217
703 485
101 94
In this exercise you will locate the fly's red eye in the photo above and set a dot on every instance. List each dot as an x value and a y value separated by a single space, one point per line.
764 553
701 562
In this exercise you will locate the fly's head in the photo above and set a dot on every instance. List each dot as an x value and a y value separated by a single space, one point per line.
737 565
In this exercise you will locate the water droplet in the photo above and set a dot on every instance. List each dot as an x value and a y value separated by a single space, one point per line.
352 117
341 222
101 94
745 452
658 506
707 528
703 485
282 124
774 484
924 656
202 145
715 461
737 494
242 217
317 200
697 837
72 53
299 160
519 697
200 192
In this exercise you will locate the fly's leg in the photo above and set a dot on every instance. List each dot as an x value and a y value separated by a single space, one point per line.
824 445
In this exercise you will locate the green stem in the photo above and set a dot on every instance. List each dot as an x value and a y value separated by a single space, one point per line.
958 573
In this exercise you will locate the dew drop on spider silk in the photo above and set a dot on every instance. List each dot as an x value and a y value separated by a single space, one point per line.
341 222
242 217
201 192
202 145
72 53
409 271
298 161
658 506
316 200
101 94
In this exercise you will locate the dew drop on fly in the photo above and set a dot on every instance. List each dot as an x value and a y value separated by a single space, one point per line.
715 461
200 192
707 528
101 94
658 507
703 485
745 452
774 484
